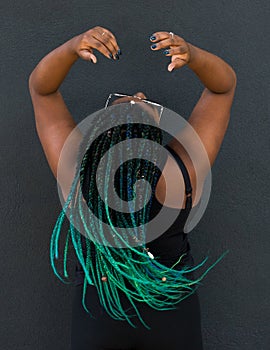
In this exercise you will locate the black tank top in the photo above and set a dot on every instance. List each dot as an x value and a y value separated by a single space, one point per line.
173 243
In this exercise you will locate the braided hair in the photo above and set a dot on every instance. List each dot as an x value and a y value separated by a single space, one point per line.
114 268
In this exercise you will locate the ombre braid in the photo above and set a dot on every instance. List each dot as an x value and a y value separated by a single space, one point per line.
115 269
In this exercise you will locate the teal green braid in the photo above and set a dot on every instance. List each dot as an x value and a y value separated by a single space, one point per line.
113 270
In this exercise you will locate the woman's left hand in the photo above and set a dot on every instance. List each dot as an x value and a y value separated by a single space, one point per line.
175 47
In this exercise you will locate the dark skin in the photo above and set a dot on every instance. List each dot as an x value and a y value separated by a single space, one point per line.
209 118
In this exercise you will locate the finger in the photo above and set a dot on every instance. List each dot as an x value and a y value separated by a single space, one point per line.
94 43
87 55
176 50
103 45
114 43
108 40
177 63
157 36
162 44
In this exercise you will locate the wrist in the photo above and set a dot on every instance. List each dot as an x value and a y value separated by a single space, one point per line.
195 56
72 47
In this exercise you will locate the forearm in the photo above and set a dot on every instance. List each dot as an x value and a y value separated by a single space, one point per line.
50 72
216 75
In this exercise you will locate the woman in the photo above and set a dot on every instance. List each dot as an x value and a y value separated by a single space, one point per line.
111 298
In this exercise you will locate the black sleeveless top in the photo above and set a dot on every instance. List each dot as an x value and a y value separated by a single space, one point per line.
169 246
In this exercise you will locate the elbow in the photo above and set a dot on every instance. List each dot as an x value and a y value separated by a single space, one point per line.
30 84
231 84
37 87
234 79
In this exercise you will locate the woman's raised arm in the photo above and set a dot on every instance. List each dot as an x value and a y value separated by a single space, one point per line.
53 119
211 114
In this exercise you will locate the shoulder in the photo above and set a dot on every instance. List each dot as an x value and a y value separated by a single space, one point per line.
170 189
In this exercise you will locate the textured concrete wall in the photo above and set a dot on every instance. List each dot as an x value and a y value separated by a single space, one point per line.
35 305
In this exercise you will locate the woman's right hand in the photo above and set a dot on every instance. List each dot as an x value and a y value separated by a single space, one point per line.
98 38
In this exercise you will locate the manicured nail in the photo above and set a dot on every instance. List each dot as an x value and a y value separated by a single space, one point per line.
111 56
116 56
152 38
166 52
119 52
153 46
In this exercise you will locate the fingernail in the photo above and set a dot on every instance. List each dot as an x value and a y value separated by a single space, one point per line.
119 52
153 46
116 56
166 52
152 38
111 56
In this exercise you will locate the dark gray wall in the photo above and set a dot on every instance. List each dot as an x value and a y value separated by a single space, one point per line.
35 305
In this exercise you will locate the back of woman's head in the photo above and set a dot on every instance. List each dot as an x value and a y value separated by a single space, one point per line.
129 157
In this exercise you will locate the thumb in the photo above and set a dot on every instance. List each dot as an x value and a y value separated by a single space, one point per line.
171 66
176 63
88 56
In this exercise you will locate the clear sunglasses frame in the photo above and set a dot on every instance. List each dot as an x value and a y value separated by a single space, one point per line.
153 104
